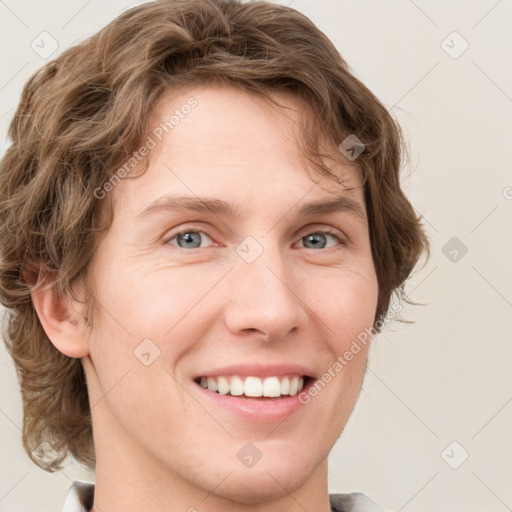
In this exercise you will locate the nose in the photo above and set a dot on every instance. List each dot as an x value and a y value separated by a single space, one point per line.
265 297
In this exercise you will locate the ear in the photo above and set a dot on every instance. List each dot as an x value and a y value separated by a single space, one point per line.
62 318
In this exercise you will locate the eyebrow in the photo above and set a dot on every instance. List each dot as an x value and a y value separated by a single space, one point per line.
217 206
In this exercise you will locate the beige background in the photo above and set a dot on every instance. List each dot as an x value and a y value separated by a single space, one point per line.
445 378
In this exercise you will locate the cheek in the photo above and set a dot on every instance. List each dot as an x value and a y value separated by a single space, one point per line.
347 305
147 304
155 313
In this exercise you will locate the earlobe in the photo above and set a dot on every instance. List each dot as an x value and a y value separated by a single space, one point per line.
62 319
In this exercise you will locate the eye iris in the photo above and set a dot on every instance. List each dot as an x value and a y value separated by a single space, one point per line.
313 237
189 237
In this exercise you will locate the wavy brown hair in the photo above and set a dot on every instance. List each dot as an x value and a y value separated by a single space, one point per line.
84 113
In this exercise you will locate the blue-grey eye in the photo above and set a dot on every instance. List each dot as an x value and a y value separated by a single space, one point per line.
188 239
317 240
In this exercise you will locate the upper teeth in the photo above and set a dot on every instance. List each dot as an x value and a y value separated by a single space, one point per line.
254 386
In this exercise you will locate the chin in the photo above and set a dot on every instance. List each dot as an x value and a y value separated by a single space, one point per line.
271 478
258 487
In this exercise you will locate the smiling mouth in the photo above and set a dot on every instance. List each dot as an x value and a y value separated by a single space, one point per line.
255 388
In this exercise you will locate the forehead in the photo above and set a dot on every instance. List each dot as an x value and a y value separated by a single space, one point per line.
220 141
231 120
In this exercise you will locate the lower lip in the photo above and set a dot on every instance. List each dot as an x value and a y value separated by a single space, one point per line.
255 410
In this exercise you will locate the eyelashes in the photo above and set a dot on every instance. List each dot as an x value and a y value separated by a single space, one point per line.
187 235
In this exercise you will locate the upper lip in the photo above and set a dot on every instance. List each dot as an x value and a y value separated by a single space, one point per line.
258 370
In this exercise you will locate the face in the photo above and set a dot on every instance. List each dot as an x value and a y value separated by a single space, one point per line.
258 289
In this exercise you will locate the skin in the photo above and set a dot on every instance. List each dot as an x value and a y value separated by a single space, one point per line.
159 445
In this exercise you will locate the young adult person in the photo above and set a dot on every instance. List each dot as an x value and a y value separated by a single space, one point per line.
201 219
